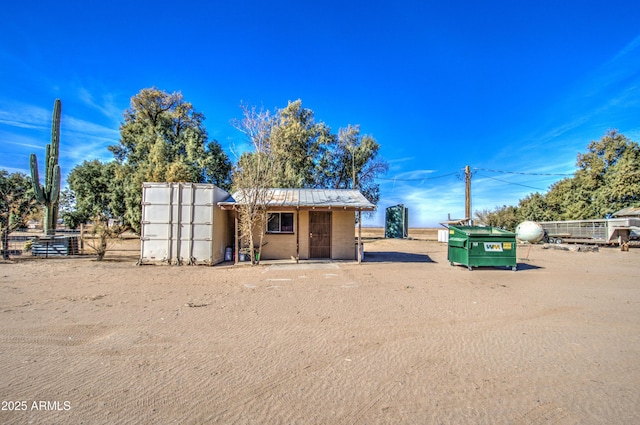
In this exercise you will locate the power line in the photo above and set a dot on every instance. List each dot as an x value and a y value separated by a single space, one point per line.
417 180
517 184
458 173
523 173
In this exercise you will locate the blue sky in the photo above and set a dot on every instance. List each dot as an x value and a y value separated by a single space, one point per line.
500 86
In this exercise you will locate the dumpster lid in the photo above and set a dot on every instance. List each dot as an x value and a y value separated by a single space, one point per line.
482 231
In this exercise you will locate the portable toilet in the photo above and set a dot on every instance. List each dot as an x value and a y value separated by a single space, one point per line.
397 222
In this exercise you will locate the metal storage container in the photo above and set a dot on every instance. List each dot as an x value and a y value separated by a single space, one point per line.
475 246
182 224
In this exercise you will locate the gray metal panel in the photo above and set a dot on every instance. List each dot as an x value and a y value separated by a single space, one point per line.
598 230
177 222
628 212
55 246
296 198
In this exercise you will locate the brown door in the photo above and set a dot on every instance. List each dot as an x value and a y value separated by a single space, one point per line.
319 234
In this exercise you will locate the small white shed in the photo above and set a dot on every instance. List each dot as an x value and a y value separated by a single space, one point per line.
182 224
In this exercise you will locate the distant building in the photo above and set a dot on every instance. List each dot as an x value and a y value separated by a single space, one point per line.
628 212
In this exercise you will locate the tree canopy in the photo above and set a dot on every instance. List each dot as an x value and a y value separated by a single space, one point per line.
297 143
17 201
163 139
309 155
607 180
354 162
94 193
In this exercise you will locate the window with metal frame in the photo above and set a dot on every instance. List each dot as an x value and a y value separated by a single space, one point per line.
280 223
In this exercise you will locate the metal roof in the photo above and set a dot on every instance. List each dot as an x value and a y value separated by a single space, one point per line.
309 198
628 212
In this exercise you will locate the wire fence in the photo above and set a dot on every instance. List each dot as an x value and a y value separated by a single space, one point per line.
20 241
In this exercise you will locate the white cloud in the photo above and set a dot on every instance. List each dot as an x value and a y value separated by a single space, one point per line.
18 124
626 50
399 163
79 126
429 202
20 141
106 106
24 116
414 175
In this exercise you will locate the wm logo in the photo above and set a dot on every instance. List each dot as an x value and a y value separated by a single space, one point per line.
493 247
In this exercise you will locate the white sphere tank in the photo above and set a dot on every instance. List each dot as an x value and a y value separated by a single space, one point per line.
529 231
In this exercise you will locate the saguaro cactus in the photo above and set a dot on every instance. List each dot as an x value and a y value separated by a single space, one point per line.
50 192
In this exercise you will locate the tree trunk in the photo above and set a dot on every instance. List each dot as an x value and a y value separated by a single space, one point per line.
5 244
102 248
259 256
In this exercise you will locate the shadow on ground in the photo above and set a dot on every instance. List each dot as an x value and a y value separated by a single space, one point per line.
396 257
521 267
526 266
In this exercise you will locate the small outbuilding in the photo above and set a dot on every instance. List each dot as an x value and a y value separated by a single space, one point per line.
308 223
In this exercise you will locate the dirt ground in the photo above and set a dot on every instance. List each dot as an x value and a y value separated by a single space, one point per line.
403 338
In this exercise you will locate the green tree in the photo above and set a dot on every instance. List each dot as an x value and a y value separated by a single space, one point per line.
609 174
607 180
534 207
217 168
505 217
560 197
307 155
163 139
95 196
481 217
93 191
622 183
298 143
17 202
354 162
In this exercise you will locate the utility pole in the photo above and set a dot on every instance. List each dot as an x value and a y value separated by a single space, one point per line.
467 204
353 167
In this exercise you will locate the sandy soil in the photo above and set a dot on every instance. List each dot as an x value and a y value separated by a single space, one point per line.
403 338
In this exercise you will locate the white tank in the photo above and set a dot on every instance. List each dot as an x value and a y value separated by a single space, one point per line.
529 231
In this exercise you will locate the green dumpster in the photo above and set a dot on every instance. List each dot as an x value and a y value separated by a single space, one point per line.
476 246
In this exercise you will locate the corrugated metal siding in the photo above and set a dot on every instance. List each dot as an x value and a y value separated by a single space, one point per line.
300 198
178 224
57 246
628 212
